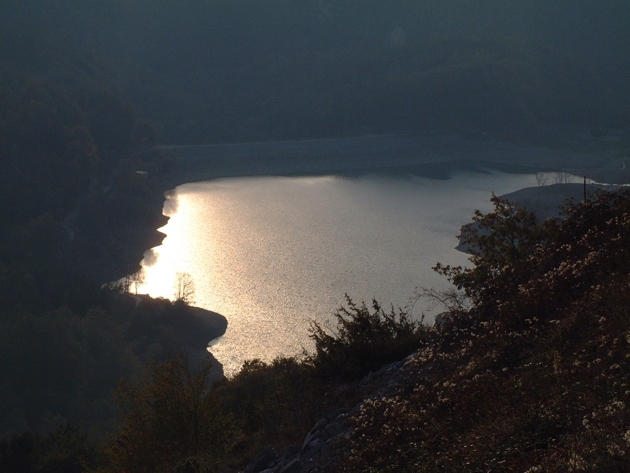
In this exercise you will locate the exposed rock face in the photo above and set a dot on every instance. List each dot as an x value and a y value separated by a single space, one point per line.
324 444
546 201
327 441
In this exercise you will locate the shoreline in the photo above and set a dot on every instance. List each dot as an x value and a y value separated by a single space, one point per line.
434 157
387 154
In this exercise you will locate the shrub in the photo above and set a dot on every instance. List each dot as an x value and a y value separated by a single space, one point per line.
364 341
171 421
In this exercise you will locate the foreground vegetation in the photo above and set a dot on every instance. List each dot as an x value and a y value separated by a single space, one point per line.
172 419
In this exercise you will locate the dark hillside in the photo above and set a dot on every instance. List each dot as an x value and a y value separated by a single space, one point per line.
226 71
70 191
534 376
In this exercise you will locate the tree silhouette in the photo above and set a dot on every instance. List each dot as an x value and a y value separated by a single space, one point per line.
137 279
184 288
170 421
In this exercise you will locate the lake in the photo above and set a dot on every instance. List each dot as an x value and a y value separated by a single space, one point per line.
273 253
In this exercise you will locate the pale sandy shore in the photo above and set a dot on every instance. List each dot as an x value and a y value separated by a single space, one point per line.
428 154
548 201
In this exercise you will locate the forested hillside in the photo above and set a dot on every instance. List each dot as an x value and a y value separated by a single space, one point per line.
221 71
70 193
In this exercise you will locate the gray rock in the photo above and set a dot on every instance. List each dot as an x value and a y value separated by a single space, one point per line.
327 440
296 466
290 453
333 429
311 438
262 461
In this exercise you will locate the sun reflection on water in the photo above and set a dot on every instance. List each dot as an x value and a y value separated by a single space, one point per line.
270 254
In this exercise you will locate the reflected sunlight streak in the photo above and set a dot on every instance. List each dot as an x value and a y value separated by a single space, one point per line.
272 253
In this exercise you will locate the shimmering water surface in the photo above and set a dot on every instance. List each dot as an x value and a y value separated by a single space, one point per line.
272 253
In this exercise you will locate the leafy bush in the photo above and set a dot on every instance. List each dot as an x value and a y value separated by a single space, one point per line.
171 421
273 403
64 450
364 340
499 242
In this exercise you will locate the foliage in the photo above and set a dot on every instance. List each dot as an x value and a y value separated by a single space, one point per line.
277 403
264 403
66 363
260 393
63 450
61 364
272 404
535 381
364 340
170 421
499 243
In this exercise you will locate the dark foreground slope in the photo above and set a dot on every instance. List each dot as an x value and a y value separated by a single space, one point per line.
534 375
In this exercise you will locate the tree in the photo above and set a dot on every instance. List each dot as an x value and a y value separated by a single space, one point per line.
184 288
364 340
170 421
500 244
534 377
66 449
137 279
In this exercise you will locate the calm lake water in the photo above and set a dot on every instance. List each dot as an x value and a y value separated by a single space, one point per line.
273 253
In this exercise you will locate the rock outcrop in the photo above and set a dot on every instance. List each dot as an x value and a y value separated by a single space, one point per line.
327 442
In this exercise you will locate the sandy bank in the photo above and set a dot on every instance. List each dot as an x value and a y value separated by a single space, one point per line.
547 201
429 154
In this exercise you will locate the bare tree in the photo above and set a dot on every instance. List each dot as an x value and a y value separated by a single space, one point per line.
184 288
137 279
557 177
562 177
541 178
123 284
